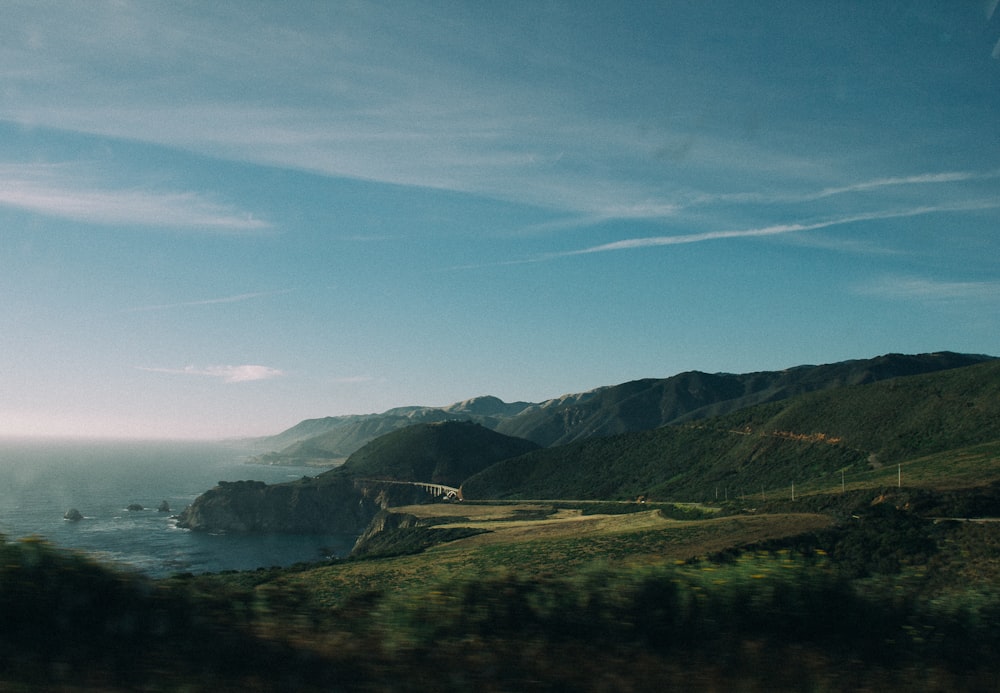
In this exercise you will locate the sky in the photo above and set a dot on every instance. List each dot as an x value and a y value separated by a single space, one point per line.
218 219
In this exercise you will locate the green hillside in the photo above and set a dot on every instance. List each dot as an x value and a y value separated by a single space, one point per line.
808 440
443 453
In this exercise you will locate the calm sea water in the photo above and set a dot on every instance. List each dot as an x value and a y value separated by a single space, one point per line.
40 481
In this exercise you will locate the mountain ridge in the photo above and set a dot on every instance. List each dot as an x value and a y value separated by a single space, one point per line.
809 439
608 410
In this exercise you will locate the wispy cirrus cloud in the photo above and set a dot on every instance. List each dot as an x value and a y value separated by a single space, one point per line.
68 192
478 122
931 290
870 185
919 179
358 115
358 112
238 298
228 374
775 229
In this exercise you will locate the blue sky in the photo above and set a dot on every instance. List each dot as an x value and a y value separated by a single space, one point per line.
218 219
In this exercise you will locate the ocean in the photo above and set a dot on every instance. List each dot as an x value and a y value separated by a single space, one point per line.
41 480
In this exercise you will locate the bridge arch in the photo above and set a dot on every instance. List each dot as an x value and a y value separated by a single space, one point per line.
436 490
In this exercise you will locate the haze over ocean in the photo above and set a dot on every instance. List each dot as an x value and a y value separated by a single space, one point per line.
41 479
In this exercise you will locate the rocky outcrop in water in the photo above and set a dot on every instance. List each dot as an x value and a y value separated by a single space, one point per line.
325 504
73 515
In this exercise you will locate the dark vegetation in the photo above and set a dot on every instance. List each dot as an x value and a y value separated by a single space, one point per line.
67 621
896 590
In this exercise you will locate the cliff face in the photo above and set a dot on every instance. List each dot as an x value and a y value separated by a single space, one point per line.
307 506
385 521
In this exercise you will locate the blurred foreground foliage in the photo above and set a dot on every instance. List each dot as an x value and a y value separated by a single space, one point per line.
886 601
66 620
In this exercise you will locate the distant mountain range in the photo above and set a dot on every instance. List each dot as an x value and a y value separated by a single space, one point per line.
331 440
938 415
633 406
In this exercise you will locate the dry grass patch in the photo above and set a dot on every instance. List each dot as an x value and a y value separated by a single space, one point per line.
566 523
557 545
640 537
474 511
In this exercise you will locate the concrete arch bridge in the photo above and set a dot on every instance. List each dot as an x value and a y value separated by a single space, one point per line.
436 490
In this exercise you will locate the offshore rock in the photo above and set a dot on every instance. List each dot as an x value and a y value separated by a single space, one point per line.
73 515
164 507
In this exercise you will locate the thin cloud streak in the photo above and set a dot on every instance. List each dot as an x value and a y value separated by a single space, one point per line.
922 179
209 301
943 177
916 288
354 379
228 374
777 229
651 211
57 191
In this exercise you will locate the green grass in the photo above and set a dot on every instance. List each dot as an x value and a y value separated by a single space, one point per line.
554 549
965 467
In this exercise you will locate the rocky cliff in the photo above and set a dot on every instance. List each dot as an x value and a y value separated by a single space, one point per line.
325 504
385 521
346 499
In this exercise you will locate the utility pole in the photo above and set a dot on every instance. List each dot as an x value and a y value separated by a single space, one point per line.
899 476
793 490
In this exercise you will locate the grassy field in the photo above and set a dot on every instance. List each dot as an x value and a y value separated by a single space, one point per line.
561 541
970 467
